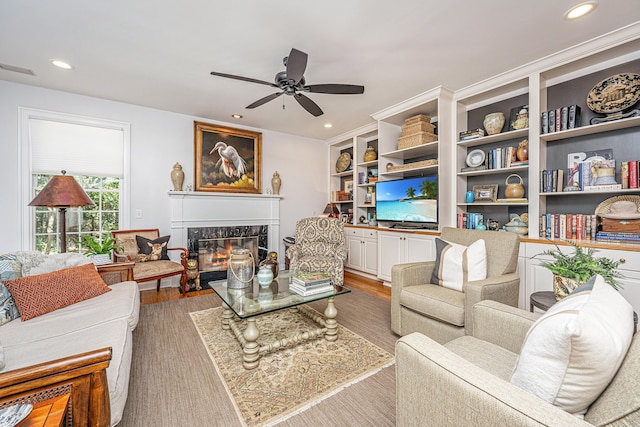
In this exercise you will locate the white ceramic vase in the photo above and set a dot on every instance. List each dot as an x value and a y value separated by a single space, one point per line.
493 123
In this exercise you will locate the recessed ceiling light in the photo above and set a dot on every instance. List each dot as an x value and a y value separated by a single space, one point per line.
62 64
328 125
236 116
580 10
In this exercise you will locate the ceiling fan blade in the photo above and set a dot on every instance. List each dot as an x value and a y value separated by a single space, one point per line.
264 100
308 104
296 64
338 89
244 79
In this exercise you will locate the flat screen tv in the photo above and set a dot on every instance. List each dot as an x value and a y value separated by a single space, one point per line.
408 202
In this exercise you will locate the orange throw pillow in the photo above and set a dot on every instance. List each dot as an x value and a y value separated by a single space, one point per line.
44 293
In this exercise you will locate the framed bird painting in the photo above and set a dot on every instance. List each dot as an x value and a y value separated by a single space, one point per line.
227 159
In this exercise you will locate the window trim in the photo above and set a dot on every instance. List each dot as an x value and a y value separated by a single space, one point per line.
25 173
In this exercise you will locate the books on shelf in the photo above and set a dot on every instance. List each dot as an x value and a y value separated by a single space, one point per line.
306 291
514 200
602 187
469 220
568 226
310 279
618 237
471 134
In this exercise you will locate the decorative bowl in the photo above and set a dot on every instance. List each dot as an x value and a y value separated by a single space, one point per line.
518 229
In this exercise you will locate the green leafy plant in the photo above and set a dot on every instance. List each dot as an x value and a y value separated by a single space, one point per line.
91 245
582 265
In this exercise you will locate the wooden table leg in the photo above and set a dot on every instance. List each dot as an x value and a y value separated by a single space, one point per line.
330 323
227 316
250 350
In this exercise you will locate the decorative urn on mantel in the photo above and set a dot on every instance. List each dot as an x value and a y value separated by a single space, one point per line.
177 177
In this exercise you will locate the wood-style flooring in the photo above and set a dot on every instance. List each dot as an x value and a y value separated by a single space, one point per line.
354 281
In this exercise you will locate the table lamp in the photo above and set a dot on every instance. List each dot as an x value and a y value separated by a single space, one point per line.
62 192
331 210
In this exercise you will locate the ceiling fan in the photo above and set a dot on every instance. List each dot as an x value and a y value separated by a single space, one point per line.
292 82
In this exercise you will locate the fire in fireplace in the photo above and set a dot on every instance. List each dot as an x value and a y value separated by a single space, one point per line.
214 254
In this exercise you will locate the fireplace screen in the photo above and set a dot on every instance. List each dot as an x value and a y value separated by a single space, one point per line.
213 254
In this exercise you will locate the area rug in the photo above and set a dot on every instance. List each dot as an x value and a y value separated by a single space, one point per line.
293 379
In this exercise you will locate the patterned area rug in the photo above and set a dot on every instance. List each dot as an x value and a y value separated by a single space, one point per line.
292 379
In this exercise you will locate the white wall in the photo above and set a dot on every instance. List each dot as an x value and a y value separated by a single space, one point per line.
158 140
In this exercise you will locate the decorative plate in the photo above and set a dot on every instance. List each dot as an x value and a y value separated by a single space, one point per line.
475 158
615 93
12 415
343 163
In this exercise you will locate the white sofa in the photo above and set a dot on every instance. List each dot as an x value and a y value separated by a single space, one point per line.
100 322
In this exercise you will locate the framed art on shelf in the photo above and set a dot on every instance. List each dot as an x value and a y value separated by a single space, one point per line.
348 186
519 118
485 193
227 159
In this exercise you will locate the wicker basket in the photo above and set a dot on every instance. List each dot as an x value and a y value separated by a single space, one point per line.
417 119
416 139
408 130
419 164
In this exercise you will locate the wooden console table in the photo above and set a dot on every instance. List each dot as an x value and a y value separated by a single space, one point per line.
116 272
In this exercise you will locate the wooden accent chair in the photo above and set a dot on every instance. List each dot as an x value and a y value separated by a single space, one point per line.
149 270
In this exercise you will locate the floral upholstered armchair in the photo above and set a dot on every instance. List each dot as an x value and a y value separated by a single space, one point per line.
320 247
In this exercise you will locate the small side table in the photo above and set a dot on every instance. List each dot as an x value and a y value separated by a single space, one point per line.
48 413
116 272
545 299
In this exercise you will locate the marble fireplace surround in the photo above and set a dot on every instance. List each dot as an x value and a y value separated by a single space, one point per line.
191 209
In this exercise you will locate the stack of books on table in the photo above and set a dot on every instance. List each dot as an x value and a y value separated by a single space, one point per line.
306 284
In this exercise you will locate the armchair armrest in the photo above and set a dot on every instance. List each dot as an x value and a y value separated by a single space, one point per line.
409 274
502 324
184 255
341 253
503 289
121 257
292 252
437 387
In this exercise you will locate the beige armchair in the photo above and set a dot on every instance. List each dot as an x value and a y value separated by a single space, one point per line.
442 313
320 246
466 381
150 270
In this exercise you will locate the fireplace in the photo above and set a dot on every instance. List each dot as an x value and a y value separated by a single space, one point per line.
212 246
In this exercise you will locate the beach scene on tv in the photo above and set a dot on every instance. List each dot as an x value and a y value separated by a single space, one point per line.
413 199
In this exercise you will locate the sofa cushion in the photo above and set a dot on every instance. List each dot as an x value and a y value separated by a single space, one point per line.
43 293
435 301
10 268
146 246
572 352
34 262
458 264
123 302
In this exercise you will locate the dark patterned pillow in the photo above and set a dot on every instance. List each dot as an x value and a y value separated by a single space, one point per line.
10 268
151 248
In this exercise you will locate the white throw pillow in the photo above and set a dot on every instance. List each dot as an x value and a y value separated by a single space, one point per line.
458 264
571 353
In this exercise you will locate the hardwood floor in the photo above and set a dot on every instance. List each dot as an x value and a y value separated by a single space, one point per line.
354 281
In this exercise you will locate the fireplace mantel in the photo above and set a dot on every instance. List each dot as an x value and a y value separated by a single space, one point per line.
204 209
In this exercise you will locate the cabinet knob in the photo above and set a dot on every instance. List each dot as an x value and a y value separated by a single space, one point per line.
623 260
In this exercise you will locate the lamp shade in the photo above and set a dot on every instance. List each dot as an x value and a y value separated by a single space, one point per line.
62 192
331 209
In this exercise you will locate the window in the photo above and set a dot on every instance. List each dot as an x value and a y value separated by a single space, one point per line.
96 220
96 153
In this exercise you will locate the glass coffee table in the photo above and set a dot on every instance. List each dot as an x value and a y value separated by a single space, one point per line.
255 300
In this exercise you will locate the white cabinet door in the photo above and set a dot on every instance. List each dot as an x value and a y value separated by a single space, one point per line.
370 256
420 248
354 257
390 253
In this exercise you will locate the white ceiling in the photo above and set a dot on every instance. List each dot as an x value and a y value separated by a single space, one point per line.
159 53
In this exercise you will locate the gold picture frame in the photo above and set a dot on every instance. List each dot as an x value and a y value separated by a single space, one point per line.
485 193
227 159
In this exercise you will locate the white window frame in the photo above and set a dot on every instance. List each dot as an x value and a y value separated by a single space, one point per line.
27 224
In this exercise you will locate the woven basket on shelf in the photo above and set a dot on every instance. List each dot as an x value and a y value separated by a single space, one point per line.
422 163
414 128
416 139
417 118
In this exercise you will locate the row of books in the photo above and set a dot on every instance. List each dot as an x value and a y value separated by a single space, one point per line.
618 237
471 134
629 174
568 226
499 158
551 180
469 220
562 118
307 284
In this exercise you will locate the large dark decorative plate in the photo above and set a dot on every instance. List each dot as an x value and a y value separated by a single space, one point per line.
343 163
615 93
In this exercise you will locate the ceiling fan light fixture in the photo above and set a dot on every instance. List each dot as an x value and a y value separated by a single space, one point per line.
237 116
328 125
580 10
62 64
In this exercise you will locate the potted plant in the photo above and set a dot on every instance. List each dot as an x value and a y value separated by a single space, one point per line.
99 251
572 270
